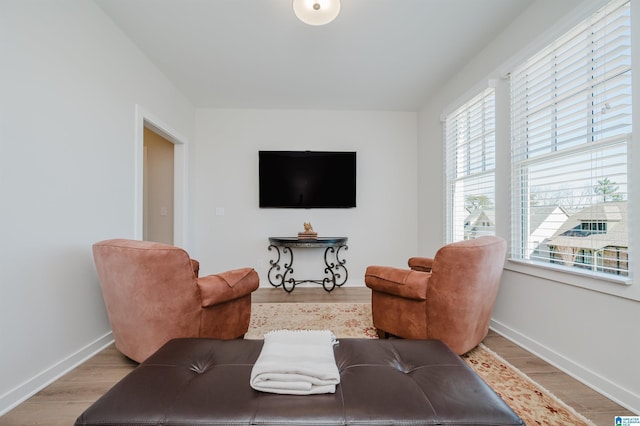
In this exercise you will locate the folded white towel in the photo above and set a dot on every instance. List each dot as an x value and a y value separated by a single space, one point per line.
296 363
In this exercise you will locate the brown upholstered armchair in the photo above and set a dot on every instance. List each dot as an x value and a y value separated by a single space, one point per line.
449 297
153 294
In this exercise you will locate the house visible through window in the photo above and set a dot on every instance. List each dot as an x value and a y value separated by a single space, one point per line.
470 168
571 127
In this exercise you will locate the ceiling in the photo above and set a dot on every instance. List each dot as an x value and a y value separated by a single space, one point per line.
386 55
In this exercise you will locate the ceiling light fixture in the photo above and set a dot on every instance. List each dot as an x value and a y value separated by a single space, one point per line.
316 12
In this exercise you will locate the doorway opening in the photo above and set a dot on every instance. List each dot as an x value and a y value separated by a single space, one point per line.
160 181
157 187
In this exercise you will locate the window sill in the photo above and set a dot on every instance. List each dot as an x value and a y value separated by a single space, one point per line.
600 282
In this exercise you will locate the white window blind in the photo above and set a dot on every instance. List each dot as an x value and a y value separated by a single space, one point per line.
470 168
571 126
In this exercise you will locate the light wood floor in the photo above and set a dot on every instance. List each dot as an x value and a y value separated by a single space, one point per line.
61 403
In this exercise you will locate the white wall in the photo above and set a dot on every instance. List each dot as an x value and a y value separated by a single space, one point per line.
69 85
588 328
381 229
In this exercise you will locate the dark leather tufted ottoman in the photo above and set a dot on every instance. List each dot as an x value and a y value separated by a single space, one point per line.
383 382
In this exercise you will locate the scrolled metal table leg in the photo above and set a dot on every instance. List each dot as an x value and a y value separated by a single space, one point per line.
329 270
340 266
337 270
288 269
275 267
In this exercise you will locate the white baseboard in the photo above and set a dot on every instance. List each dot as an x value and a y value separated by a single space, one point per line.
602 385
21 393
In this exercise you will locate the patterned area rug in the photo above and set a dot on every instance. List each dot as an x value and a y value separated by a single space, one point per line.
343 319
533 403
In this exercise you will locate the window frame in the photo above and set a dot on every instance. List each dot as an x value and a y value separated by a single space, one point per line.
571 274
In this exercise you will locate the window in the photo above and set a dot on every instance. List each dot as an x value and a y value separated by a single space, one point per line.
571 126
594 227
470 163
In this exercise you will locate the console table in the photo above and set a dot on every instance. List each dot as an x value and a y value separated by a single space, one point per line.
335 271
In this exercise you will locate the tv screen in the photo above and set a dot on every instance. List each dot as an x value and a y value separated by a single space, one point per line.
307 179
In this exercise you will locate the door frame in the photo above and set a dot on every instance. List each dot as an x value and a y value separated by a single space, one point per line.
145 118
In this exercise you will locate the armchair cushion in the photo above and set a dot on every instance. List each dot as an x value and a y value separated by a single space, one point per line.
398 282
226 286
196 267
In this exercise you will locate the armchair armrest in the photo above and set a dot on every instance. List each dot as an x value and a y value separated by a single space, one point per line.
226 286
423 264
398 282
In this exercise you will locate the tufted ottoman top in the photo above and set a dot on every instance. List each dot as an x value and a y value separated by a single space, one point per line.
383 382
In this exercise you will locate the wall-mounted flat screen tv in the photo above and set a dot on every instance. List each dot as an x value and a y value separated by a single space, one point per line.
307 179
